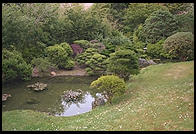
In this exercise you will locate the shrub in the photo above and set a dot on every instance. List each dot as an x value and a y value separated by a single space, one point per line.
117 41
86 56
67 48
159 25
83 43
43 64
76 49
96 64
14 66
180 46
110 86
59 56
123 63
156 50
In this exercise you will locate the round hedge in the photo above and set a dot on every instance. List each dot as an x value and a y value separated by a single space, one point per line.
111 85
180 46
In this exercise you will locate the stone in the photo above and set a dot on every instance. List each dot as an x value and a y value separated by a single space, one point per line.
145 63
5 96
98 102
72 95
35 72
52 73
38 86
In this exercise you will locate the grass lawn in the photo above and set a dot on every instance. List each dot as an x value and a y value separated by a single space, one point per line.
161 98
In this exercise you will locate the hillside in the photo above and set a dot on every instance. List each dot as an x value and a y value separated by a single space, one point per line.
160 98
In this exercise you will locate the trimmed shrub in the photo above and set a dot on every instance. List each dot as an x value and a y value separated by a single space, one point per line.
123 63
110 86
14 66
67 48
159 25
180 46
157 51
43 64
83 43
86 56
59 56
96 64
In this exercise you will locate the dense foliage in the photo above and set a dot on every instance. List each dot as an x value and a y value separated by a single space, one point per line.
180 46
86 56
43 64
110 86
123 63
137 13
60 55
42 32
159 25
14 67
96 65
156 50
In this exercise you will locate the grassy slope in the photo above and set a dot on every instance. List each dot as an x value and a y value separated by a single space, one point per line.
161 97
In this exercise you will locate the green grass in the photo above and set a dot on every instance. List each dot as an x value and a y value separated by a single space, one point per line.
160 98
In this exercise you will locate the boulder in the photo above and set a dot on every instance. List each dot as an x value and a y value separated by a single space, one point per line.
35 72
145 63
98 102
5 96
38 86
52 73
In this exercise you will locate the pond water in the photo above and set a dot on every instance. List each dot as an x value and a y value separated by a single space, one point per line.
50 100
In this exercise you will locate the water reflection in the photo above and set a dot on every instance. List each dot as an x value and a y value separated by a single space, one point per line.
82 105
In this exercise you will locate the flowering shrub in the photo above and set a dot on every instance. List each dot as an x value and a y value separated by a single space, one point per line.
76 49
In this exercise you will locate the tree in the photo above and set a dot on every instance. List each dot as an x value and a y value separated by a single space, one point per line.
136 14
123 63
14 66
159 25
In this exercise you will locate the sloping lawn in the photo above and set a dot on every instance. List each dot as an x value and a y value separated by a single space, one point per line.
161 97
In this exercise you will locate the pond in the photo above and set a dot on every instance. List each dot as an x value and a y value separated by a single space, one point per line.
50 100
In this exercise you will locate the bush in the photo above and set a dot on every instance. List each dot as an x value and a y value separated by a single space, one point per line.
180 46
86 56
123 63
43 64
67 48
159 25
59 56
156 50
83 43
14 66
117 41
110 86
96 64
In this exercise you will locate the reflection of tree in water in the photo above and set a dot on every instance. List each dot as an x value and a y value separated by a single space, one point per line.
63 104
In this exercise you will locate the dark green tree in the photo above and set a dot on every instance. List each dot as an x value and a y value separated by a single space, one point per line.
159 25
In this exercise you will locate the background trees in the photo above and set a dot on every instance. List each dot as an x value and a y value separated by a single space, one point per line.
34 29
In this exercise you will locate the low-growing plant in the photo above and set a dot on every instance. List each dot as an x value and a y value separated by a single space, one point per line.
110 86
180 46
